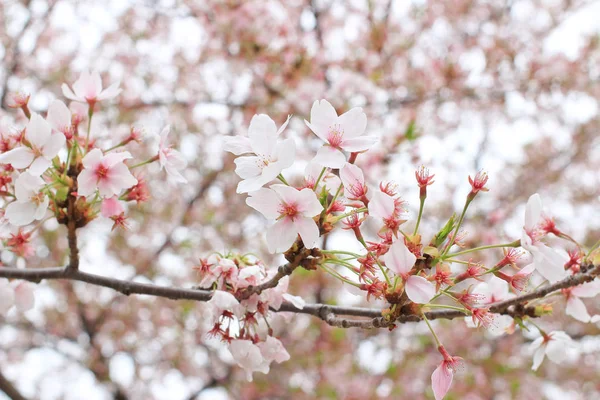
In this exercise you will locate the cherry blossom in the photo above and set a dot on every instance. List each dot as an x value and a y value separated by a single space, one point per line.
553 345
270 155
272 350
111 206
329 180
575 306
354 182
294 211
88 89
59 118
170 159
107 173
248 356
547 261
401 261
222 301
341 133
43 146
31 203
441 379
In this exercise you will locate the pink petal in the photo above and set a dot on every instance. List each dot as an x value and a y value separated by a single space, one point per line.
68 93
38 131
576 309
111 207
265 201
87 182
590 289
308 204
24 298
237 145
20 214
92 159
533 211
263 134
19 157
381 205
322 116
59 115
441 379
419 289
359 144
399 259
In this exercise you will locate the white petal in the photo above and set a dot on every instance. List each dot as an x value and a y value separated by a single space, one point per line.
399 259
20 214
353 122
549 263
322 116
7 296
59 115
533 211
538 357
419 289
297 301
284 125
237 145
56 142
381 205
251 184
41 209
39 166
38 131
308 230
24 297
358 144
68 93
19 157
590 289
247 167
263 134
576 309
27 185
112 159
327 156
308 204
265 201
285 153
281 236
87 182
110 92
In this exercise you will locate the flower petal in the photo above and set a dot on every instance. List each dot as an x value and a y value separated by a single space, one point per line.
327 156
419 289
353 122
20 214
263 134
322 116
576 309
308 204
19 157
358 144
281 236
399 259
533 211
265 201
237 145
38 131
308 230
381 205
441 379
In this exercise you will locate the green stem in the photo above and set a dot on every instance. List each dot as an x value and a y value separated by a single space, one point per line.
151 160
594 247
387 279
356 211
282 179
319 178
516 243
348 253
420 215
338 276
448 307
89 127
460 221
437 340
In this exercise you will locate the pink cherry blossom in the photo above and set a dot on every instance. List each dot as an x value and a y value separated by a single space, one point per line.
31 203
294 211
43 147
341 133
111 206
59 118
575 306
547 261
329 180
553 345
441 379
170 159
272 350
248 356
222 301
88 89
401 261
354 182
270 155
107 173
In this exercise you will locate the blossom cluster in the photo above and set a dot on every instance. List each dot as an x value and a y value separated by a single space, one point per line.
411 273
238 317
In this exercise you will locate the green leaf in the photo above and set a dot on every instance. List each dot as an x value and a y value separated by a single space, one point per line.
441 236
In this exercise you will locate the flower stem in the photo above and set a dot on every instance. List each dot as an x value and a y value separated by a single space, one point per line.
437 340
420 215
460 221
516 243
89 127
282 179
319 178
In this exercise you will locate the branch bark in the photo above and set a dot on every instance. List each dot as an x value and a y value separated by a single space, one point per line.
328 313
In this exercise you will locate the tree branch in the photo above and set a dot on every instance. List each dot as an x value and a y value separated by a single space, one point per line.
328 313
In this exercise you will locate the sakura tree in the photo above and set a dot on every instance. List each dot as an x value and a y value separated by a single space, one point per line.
309 199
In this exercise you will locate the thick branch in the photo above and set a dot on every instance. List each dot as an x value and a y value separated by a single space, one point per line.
325 312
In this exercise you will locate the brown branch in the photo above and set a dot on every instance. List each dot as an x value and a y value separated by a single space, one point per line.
327 313
9 389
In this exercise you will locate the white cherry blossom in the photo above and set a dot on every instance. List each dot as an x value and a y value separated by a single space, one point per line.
43 146
31 204
547 261
88 89
248 356
554 345
575 306
294 211
340 133
400 261
170 159
269 158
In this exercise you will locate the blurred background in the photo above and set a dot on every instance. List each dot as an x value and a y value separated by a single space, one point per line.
511 87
